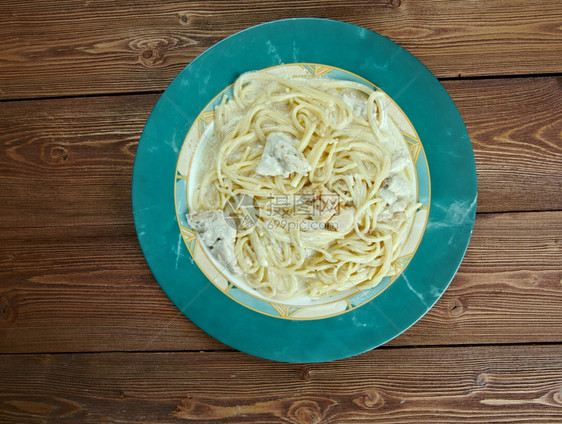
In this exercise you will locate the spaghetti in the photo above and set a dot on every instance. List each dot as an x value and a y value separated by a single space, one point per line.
314 182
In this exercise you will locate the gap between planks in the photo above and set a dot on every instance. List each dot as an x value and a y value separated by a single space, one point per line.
230 350
159 92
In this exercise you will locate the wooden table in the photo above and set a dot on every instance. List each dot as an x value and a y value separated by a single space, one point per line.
86 333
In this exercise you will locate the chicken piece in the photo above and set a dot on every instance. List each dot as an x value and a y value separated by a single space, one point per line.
397 184
388 196
342 222
399 162
218 235
357 102
280 157
395 192
323 203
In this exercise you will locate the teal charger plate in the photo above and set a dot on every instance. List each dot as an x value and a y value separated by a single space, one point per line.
449 156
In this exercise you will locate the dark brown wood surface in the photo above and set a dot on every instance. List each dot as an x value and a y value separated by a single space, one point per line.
76 47
93 141
480 384
81 288
87 335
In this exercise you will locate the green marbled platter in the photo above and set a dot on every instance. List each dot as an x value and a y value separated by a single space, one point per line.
445 170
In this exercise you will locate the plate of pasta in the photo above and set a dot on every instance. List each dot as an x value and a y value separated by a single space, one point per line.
304 190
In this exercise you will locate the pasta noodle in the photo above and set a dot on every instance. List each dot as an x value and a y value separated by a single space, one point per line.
315 179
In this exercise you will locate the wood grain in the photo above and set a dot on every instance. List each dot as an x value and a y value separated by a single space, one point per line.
88 336
83 47
508 288
65 167
79 289
516 131
426 385
74 157
76 289
70 161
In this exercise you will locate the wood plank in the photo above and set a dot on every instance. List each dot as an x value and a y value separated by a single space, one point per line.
508 288
61 293
498 384
76 289
76 155
515 127
76 47
69 162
